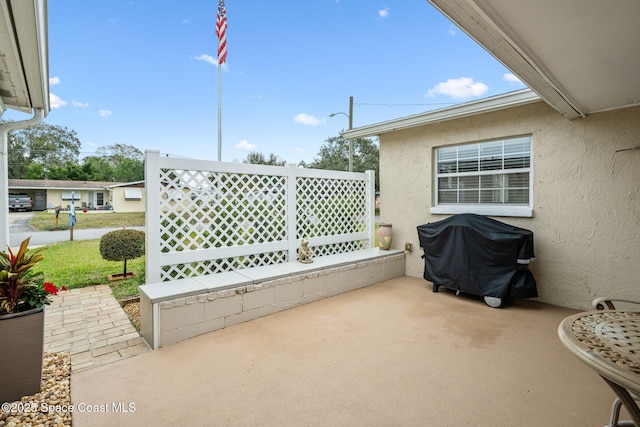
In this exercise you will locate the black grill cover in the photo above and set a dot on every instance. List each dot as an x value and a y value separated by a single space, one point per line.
478 255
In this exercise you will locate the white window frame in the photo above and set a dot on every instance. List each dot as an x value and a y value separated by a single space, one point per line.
490 209
67 194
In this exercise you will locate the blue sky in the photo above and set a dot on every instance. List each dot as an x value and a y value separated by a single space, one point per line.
145 73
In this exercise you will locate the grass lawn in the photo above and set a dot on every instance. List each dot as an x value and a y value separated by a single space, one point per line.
78 264
44 221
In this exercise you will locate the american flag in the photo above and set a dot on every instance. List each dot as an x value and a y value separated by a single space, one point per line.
221 32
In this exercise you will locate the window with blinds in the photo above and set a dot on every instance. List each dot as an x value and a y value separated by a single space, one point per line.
489 173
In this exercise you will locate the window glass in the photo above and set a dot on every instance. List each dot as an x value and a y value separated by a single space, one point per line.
446 197
485 173
448 183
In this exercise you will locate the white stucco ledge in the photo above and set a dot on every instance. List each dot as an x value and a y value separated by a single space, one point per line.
176 310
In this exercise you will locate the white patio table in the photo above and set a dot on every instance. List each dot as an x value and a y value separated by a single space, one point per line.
608 342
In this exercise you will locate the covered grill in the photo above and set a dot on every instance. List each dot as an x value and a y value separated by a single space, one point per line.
478 255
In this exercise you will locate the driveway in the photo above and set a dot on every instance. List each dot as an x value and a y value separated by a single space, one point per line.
19 230
19 222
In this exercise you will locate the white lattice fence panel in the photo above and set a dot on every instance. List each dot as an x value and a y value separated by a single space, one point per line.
204 209
208 217
339 248
329 207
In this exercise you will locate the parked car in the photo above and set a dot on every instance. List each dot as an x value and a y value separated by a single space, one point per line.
20 201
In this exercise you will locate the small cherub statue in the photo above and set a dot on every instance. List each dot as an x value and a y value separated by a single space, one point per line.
304 252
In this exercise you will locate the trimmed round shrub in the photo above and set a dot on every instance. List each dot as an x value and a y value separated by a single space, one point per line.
121 245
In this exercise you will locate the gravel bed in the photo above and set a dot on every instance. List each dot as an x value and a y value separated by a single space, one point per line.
132 309
47 407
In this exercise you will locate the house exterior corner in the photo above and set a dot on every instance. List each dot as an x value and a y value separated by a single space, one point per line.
584 199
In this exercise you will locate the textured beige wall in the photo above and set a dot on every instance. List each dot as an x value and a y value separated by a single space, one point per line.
120 204
586 195
54 198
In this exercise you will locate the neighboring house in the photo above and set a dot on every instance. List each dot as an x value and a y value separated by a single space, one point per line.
90 195
564 164
127 197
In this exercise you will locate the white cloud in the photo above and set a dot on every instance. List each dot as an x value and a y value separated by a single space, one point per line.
511 78
206 58
244 145
105 113
79 104
307 120
300 150
55 101
453 30
186 21
211 60
461 88
383 13
54 80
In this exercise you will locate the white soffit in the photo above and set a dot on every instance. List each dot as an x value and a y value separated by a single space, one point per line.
580 56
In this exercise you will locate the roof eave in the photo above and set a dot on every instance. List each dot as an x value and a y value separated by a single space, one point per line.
485 27
494 103
27 22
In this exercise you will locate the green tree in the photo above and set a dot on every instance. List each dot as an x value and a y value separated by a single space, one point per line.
98 168
257 158
117 152
334 155
75 172
44 144
129 170
119 162
35 171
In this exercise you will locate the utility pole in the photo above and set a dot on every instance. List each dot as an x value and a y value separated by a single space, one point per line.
350 117
350 140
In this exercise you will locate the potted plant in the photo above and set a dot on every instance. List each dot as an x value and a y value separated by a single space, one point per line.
23 295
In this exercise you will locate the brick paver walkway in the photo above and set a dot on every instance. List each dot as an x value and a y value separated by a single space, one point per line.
89 324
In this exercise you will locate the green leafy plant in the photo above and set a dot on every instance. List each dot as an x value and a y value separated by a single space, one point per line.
20 288
121 245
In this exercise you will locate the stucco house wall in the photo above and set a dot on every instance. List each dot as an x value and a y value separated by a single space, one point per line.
586 195
54 199
121 203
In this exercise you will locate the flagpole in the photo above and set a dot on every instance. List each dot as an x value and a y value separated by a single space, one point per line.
221 32
219 112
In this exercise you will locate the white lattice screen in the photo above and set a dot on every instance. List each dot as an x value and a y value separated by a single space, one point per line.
207 217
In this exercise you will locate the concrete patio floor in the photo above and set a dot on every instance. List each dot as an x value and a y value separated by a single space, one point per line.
391 354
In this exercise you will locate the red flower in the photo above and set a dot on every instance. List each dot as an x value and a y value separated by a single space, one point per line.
50 288
63 288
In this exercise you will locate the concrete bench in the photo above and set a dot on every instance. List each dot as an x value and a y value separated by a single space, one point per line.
176 310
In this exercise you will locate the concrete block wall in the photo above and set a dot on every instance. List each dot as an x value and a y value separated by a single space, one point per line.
189 310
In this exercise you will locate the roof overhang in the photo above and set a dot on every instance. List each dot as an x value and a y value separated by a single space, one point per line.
494 103
24 60
580 56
